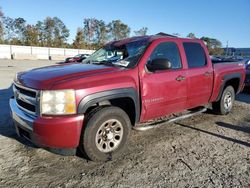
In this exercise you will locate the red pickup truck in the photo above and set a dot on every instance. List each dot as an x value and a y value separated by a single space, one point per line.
92 106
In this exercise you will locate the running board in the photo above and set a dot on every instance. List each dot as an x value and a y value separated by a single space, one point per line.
159 124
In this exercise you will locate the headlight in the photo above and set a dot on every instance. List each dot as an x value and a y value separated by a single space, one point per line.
58 102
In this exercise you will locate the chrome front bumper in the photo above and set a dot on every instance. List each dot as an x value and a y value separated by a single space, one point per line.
20 118
24 127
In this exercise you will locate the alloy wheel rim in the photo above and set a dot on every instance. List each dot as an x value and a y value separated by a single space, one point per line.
228 101
109 135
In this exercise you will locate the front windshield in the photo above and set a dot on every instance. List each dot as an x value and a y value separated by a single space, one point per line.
125 54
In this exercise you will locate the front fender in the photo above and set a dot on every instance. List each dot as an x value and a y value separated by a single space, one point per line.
95 98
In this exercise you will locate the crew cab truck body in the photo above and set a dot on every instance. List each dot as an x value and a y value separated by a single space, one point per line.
92 106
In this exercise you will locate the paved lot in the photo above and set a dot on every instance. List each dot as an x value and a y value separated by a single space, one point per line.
203 151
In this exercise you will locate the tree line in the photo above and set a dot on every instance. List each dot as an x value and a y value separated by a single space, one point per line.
52 32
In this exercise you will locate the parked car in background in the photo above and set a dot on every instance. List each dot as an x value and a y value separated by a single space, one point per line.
224 59
77 58
247 81
247 61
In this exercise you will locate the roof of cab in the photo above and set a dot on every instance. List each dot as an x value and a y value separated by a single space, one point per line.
148 38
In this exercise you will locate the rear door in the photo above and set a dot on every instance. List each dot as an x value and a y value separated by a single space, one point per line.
200 74
163 92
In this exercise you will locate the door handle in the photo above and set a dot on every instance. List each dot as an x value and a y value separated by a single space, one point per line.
181 78
207 73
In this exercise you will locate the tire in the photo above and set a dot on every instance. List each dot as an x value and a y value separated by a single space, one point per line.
225 104
105 134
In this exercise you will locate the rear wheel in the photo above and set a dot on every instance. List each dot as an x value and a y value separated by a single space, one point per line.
105 134
225 104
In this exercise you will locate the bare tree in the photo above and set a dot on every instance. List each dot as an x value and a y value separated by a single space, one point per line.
19 29
118 30
9 29
61 33
52 32
176 34
1 25
101 32
214 46
141 32
79 39
31 35
95 32
191 35
48 31
41 36
90 25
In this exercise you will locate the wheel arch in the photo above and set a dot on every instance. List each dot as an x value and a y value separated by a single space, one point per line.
231 79
125 98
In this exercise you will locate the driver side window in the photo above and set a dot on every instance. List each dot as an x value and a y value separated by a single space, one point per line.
167 50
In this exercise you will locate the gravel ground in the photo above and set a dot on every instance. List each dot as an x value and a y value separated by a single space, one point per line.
204 151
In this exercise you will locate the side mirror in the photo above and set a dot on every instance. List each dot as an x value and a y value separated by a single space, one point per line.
159 64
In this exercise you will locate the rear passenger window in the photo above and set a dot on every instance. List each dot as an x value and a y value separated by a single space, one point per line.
167 50
195 54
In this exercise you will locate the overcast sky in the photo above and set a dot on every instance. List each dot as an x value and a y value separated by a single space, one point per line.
226 20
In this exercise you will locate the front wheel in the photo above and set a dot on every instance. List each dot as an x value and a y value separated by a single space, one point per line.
225 104
105 134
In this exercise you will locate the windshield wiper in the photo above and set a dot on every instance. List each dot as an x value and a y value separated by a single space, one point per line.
108 63
104 62
99 62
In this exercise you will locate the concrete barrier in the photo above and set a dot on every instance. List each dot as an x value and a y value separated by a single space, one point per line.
5 52
25 56
35 52
58 57
5 56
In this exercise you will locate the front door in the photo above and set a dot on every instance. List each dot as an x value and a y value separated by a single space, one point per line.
165 91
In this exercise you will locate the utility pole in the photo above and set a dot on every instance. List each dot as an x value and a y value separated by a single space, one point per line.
227 49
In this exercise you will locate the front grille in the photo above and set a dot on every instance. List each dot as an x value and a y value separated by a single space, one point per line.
24 133
26 99
25 105
26 92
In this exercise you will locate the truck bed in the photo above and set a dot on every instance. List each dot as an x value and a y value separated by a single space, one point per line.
223 70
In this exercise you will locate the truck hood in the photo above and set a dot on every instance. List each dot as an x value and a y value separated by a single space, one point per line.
45 77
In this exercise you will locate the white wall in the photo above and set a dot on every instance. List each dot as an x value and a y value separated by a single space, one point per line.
6 51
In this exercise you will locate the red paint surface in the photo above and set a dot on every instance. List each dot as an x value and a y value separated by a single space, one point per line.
58 132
